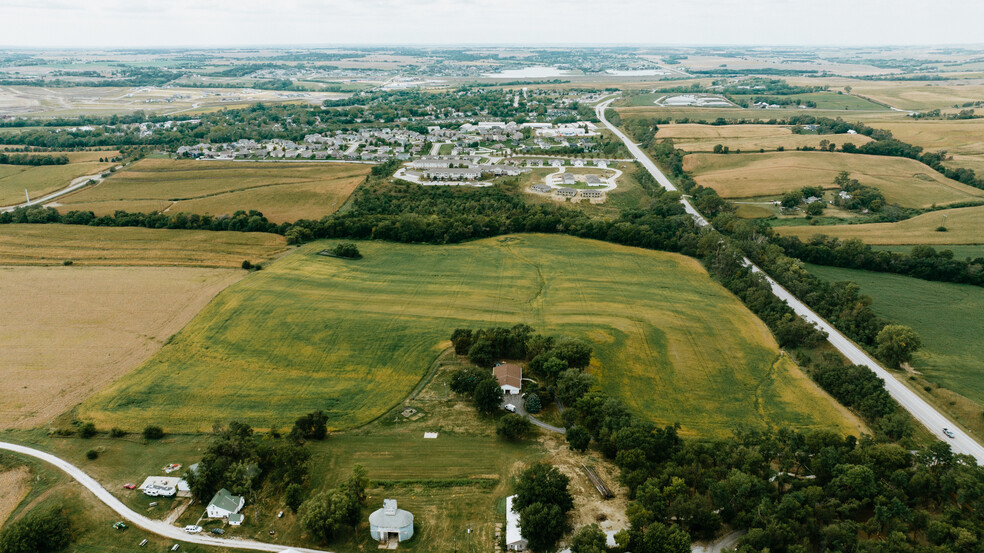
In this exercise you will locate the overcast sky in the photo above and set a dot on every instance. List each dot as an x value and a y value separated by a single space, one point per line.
143 23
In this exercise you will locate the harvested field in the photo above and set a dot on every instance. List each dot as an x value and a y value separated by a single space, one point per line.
54 244
283 191
923 96
77 329
13 488
965 137
906 182
964 225
353 337
702 138
48 178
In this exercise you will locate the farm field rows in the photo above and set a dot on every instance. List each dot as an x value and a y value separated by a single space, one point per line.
923 96
353 337
906 182
38 181
702 138
283 192
79 328
53 244
964 225
948 319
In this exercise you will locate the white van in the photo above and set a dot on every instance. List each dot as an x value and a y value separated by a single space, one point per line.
510 407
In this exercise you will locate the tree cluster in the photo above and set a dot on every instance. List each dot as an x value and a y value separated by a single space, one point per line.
324 514
241 462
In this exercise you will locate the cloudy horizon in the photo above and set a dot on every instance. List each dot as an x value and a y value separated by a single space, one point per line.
309 23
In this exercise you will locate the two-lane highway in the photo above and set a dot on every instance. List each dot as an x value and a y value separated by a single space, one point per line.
922 411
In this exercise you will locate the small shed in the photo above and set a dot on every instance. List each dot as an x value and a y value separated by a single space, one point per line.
390 522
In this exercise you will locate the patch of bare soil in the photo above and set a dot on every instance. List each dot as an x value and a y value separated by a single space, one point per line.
68 331
13 489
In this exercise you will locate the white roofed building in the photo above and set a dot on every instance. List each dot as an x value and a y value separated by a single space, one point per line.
514 537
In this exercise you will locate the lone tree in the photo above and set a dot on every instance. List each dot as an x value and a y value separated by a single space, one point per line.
578 438
533 403
896 344
152 432
312 426
589 539
348 250
513 427
488 396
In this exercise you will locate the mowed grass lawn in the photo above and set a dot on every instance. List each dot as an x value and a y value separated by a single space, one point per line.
84 245
284 191
948 318
692 137
353 337
38 181
965 225
903 181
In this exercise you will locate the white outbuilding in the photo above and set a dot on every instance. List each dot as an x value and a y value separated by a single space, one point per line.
514 537
390 523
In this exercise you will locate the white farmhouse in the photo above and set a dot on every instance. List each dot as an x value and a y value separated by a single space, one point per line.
226 505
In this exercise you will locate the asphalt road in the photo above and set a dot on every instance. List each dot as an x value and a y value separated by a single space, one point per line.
922 411
154 526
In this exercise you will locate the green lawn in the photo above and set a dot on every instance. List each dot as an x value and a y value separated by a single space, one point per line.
354 337
948 318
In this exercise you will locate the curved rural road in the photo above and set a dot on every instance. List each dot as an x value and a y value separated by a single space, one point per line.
155 526
77 183
922 411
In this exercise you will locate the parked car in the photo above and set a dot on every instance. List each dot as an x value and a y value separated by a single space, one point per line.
217 531
948 433
129 486
510 407
192 529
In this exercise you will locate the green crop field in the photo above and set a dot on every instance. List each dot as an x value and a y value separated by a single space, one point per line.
38 181
906 182
285 191
354 337
965 225
947 318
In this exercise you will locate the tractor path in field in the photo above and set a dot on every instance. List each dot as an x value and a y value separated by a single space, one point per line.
154 526
926 414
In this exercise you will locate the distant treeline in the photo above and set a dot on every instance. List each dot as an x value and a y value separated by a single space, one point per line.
923 262
36 160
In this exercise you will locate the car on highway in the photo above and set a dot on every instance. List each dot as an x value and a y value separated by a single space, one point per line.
948 433
129 486
192 529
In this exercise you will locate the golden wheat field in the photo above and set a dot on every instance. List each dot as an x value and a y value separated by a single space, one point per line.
283 191
55 244
964 225
906 182
77 329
